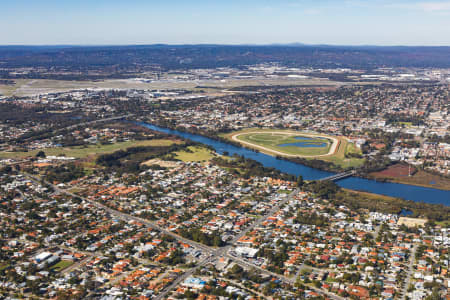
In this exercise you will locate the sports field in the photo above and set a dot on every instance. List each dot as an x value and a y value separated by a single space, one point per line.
194 153
288 143
333 149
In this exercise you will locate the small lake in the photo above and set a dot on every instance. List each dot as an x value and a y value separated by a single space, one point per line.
305 143
408 192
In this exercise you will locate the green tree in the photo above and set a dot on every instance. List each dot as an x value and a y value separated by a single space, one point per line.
41 154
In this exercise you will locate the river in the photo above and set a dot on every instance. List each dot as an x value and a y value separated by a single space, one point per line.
408 192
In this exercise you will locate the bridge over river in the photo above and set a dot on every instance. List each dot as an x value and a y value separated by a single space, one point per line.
339 176
409 192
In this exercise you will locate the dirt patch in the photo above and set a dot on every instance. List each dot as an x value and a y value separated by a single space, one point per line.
397 170
162 163
399 173
411 222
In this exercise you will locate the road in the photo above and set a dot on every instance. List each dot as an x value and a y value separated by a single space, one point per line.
409 272
377 232
95 121
212 254
124 216
332 150
258 222
76 265
164 292
223 251
91 122
289 280
302 266
262 296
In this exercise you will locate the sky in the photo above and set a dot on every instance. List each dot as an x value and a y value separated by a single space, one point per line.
125 22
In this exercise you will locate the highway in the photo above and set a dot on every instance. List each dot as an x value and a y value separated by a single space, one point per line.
91 122
217 253
211 253
95 121
124 216
258 222
283 278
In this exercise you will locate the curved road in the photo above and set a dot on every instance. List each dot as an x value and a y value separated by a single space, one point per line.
332 150
211 253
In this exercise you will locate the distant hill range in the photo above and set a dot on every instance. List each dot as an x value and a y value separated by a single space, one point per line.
120 59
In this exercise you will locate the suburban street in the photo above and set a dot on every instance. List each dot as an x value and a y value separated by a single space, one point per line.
410 271
214 150
212 254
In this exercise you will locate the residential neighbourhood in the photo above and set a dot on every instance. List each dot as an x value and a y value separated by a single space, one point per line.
225 150
96 205
59 243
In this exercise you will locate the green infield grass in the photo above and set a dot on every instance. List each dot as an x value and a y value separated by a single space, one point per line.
269 140
301 145
194 153
90 150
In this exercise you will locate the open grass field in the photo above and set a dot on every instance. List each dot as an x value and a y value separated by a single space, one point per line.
289 143
267 141
91 150
339 157
195 153
399 173
369 196
397 170
3 266
62 265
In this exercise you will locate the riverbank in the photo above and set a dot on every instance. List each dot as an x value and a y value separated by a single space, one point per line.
269 144
323 165
335 160
335 163
409 192
419 178
391 205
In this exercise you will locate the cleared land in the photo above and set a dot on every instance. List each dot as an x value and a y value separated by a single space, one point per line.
195 153
397 170
267 141
399 173
62 265
28 87
91 150
159 162
411 222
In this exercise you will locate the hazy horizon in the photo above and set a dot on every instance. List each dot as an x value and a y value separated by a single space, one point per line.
248 22
292 44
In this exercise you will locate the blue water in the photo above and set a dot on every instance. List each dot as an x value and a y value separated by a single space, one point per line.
408 192
405 212
304 145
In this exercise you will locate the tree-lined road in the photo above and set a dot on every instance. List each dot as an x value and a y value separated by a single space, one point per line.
211 254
